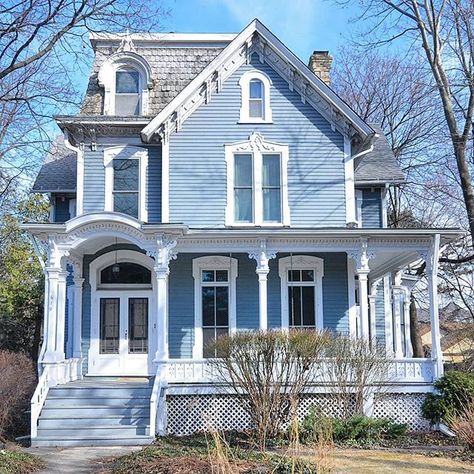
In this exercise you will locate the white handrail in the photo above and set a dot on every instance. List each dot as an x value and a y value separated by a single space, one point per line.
154 404
38 398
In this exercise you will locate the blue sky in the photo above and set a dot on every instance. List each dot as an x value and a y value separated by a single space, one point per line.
303 25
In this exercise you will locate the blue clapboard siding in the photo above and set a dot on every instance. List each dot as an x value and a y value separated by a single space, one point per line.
61 209
380 314
181 297
86 295
371 208
315 169
94 182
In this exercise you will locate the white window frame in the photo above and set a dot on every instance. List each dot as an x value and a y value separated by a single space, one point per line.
133 153
257 146
302 262
244 83
213 262
125 60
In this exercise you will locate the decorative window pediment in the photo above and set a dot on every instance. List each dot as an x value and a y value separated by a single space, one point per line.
255 95
126 78
257 183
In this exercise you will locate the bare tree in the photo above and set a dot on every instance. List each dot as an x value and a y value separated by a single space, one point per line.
43 51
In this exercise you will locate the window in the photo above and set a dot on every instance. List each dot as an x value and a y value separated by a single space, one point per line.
127 92
127 273
301 291
215 301
125 181
255 96
257 190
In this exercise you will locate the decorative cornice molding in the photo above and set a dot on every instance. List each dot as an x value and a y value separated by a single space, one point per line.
262 256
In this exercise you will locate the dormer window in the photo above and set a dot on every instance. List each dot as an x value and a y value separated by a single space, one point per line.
255 95
127 92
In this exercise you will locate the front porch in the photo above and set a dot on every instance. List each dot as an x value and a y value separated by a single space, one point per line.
203 283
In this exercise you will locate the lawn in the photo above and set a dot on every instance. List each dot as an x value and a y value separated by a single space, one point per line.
14 461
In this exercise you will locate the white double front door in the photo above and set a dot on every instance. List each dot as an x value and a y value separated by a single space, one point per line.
120 333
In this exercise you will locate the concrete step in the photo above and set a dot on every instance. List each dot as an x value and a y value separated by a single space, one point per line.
50 442
74 402
117 432
93 411
111 421
127 392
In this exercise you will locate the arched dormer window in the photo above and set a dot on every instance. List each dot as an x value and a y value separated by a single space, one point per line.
126 79
255 95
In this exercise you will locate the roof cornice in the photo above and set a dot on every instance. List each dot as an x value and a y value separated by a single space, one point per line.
271 50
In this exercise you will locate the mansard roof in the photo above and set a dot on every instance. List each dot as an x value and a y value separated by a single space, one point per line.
256 38
58 173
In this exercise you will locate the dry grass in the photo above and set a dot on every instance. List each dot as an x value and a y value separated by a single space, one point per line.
463 424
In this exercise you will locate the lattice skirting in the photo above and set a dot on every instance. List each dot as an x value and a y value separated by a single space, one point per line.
189 414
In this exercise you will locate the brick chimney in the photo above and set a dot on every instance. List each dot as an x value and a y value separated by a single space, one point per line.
320 63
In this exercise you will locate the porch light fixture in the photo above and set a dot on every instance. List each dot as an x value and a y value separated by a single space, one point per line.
116 266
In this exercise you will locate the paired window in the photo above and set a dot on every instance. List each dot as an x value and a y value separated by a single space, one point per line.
215 303
125 181
301 291
257 183
255 98
127 92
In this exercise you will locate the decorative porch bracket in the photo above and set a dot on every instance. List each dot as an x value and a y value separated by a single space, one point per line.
262 256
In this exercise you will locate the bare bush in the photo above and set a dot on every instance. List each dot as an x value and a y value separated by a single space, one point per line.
269 371
357 369
17 382
463 424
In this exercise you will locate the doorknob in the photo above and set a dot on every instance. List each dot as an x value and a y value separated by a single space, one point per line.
126 333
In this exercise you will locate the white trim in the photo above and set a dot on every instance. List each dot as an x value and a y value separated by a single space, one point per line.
257 146
352 312
95 267
349 182
79 174
213 262
302 262
124 60
129 153
165 181
359 197
244 83
384 207
387 295
72 208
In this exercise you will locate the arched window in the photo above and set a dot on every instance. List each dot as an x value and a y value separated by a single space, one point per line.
127 92
255 93
127 273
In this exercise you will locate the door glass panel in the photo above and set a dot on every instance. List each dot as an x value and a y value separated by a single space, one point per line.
215 315
308 306
109 325
138 325
208 305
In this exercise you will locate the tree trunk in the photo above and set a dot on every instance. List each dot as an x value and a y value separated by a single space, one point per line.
414 330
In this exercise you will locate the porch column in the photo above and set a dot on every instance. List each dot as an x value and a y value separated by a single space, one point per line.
397 292
432 265
162 255
77 318
61 315
262 257
362 257
372 310
406 319
50 318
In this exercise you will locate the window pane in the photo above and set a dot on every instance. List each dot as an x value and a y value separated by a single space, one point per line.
138 325
207 275
127 104
243 205
222 306
126 175
208 306
309 318
271 205
256 108
271 170
126 203
294 305
208 337
128 273
294 275
243 170
221 275
126 82
256 89
109 325
307 275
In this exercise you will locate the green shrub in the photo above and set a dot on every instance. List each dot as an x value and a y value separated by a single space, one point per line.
455 391
357 428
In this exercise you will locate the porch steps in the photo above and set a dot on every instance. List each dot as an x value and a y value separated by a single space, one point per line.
96 411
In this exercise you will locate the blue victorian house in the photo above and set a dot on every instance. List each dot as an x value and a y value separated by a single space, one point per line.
213 183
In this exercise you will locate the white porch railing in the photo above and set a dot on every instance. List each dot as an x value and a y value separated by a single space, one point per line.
200 371
53 374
